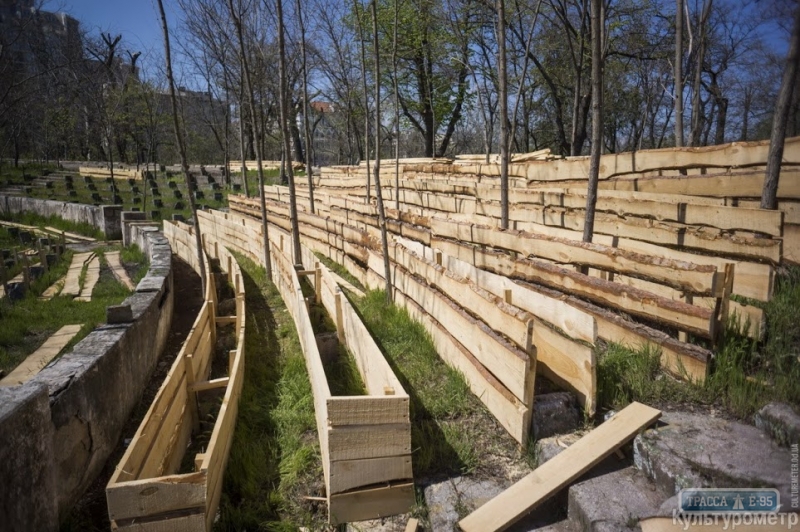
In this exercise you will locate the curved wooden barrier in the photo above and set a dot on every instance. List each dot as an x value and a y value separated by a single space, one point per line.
145 492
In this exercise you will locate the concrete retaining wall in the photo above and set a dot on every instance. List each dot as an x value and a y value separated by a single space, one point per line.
106 218
92 391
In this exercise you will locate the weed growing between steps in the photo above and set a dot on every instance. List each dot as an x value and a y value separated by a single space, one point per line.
745 375
274 461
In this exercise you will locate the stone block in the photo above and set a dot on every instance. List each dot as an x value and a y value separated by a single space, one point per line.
780 422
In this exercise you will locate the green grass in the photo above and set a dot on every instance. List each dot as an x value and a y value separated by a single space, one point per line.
81 228
340 270
443 410
29 322
274 460
745 374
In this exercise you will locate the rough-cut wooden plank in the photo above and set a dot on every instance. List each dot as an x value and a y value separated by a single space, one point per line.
72 284
51 291
367 504
356 442
506 362
179 523
568 362
350 474
213 384
367 410
679 358
89 282
509 411
791 243
112 257
40 358
695 278
697 320
505 509
148 497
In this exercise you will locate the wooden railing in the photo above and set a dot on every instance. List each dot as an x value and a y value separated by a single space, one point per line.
146 491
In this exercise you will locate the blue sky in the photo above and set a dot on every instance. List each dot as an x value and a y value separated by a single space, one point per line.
136 20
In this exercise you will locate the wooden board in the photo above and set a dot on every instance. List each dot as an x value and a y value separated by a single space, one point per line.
632 300
112 257
40 358
150 497
693 278
369 503
72 284
505 509
350 474
89 282
791 244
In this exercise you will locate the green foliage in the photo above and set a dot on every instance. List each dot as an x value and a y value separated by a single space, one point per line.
745 374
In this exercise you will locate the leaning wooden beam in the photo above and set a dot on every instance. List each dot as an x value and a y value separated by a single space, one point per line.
508 507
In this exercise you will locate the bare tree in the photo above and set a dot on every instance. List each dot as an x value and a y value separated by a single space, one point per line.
679 74
306 107
181 146
396 107
237 21
364 85
502 75
699 60
597 118
287 140
769 195
387 270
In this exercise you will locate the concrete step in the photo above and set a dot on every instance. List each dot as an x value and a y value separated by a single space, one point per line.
699 451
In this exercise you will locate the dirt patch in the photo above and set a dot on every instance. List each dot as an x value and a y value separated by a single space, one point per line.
91 511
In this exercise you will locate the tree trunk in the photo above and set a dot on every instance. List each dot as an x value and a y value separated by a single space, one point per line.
181 146
396 108
679 75
769 195
697 112
364 86
387 269
306 129
284 96
256 137
597 120
503 95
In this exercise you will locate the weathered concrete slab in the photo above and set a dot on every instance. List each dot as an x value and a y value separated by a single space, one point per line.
781 422
29 501
693 451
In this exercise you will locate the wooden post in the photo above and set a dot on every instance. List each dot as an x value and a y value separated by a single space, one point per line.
530 381
43 257
723 304
318 283
231 359
507 296
438 255
339 320
26 271
3 274
191 396
212 321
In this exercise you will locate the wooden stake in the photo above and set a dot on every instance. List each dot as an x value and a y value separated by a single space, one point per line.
339 320
191 397
318 283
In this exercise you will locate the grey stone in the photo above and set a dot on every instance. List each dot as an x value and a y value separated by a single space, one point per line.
694 451
613 501
555 413
455 498
119 314
547 448
780 422
28 500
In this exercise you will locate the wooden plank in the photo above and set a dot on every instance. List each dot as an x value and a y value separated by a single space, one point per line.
650 306
791 244
505 509
148 497
509 411
568 362
119 272
412 525
179 523
89 282
166 442
72 284
505 361
372 503
40 358
351 474
357 442
367 410
695 278
213 384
